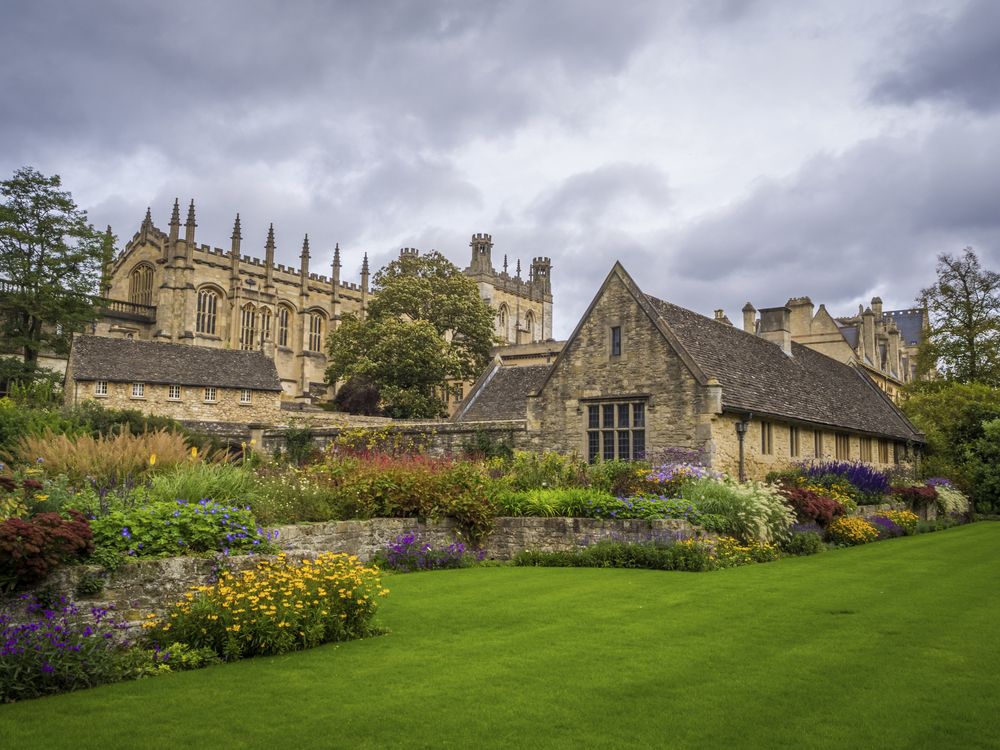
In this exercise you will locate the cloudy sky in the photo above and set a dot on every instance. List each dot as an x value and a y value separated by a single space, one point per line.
724 150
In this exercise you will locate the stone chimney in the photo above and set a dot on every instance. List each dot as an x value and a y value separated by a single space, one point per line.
776 327
750 319
802 315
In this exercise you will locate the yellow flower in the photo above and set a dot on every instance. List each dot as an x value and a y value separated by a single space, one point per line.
152 460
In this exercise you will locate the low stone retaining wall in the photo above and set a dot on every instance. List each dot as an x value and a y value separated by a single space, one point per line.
926 513
149 586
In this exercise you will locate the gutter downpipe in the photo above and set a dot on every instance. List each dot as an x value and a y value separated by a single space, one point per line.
741 430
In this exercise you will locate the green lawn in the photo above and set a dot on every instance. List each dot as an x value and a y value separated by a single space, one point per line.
891 645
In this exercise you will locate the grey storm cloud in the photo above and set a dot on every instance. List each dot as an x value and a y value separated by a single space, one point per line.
590 197
956 61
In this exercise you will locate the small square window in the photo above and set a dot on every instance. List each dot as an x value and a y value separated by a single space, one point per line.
210 395
101 388
174 393
616 341
138 390
246 396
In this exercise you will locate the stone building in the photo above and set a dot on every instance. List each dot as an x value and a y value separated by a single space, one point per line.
187 383
166 287
640 374
884 343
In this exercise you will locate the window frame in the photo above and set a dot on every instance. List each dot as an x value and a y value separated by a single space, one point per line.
138 390
794 441
211 394
615 341
246 397
766 438
206 316
173 393
842 446
615 428
101 388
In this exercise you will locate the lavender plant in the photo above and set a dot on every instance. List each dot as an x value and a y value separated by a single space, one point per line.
52 647
411 552
873 484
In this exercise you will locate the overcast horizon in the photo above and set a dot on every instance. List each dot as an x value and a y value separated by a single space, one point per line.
724 151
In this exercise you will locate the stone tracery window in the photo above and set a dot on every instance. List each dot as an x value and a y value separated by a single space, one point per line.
208 305
265 324
315 332
283 326
140 285
248 327
616 430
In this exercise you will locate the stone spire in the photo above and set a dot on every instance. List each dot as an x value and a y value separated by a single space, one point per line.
364 286
175 230
518 268
304 257
335 277
189 226
269 261
234 252
505 264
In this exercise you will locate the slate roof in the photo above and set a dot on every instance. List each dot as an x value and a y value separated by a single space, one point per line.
135 361
757 376
504 395
910 324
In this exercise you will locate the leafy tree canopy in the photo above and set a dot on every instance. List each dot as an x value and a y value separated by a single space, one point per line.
52 265
963 334
426 326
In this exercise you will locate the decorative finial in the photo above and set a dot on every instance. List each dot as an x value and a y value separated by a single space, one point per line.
175 219
505 262
305 246
518 268
364 265
148 221
336 256
270 237
236 229
190 219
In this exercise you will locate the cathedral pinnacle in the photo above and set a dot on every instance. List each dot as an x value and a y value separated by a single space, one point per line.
175 218
518 268
305 247
505 262
190 219
364 265
236 229
336 256
148 221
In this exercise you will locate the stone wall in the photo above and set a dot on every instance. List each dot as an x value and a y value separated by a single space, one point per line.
150 586
265 406
647 371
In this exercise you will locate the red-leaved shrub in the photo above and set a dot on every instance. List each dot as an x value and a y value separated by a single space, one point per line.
30 549
917 496
811 507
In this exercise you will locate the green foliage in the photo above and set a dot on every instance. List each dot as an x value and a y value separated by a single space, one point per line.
570 502
693 556
963 336
298 441
55 262
533 471
359 395
802 543
754 510
984 467
487 444
427 326
34 387
179 529
618 478
91 585
227 484
17 422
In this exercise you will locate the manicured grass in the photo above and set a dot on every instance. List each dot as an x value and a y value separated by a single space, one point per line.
890 645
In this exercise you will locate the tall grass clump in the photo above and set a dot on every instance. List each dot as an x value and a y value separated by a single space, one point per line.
755 511
223 483
119 455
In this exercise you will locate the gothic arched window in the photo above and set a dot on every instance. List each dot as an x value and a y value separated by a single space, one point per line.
315 332
208 305
265 324
248 328
140 285
529 325
284 316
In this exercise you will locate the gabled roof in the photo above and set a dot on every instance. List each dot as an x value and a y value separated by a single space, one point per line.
758 376
135 361
501 393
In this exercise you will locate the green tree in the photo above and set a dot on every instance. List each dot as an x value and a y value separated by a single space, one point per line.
426 326
53 265
963 332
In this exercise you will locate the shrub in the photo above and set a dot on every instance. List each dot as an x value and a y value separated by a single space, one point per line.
298 442
276 608
548 503
754 510
732 553
17 422
533 471
640 506
693 555
228 484
916 496
359 395
30 549
101 498
950 499
848 532
486 445
26 493
811 507
58 650
805 539
411 552
181 528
